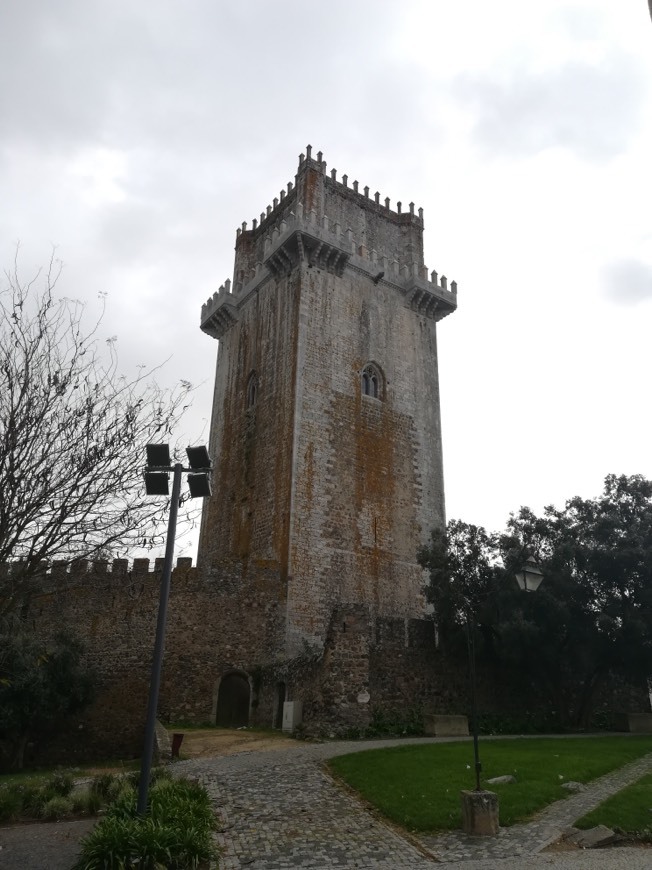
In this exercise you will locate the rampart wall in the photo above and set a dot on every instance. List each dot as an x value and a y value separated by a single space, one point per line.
365 663
368 664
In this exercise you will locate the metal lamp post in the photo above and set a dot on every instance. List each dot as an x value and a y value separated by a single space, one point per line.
470 637
157 483
480 807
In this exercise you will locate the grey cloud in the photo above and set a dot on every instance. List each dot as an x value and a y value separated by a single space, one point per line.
154 73
628 281
199 99
590 110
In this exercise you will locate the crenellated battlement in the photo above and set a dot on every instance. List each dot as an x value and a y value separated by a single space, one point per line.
290 233
288 196
84 568
361 198
220 311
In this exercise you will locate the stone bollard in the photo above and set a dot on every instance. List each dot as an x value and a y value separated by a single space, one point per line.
480 813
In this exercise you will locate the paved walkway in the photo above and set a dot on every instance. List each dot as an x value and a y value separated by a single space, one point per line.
280 810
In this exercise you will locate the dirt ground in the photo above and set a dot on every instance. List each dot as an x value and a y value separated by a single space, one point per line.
204 743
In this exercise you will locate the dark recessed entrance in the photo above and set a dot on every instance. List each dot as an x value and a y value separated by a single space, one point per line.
233 701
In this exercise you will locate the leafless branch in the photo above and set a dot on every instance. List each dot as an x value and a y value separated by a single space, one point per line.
72 433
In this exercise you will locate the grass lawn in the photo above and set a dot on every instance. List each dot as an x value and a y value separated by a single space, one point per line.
630 810
419 786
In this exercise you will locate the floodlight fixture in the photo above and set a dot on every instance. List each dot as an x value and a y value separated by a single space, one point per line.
198 457
199 484
158 455
157 483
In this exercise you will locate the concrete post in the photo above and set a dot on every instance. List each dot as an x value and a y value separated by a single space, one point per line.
480 813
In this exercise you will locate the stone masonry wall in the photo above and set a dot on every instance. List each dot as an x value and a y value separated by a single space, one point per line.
368 665
114 614
243 553
252 446
367 479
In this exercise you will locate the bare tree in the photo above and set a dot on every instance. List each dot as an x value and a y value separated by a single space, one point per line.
72 434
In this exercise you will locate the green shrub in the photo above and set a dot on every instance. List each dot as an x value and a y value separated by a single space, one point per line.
86 802
155 774
31 798
182 799
128 843
176 833
103 783
57 807
107 786
11 803
61 783
385 724
124 806
54 798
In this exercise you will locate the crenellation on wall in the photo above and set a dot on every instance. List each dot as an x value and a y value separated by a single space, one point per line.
316 191
300 237
79 570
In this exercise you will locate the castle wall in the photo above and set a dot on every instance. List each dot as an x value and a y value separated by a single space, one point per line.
114 614
369 667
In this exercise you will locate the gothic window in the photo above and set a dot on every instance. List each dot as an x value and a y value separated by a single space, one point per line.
252 390
372 381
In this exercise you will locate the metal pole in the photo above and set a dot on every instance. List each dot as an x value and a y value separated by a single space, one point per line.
159 645
470 633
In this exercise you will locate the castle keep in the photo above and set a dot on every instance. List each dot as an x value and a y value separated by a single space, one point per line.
326 442
326 431
306 605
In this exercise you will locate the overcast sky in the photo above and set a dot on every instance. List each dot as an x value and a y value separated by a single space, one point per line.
136 136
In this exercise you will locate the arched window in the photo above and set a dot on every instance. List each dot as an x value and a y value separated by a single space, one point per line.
252 390
372 381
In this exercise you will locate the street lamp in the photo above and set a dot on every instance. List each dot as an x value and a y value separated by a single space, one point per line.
470 639
530 576
479 807
157 473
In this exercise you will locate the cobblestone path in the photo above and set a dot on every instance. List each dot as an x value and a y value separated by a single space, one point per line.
279 810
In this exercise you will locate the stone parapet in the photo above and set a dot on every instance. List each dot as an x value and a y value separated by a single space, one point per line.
306 238
61 574
310 222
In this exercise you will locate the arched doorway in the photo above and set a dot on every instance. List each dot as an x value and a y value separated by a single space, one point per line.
233 701
279 700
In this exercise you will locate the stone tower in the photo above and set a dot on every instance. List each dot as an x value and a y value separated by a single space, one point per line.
326 432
